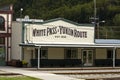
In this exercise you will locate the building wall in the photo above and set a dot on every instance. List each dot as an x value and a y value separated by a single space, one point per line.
16 39
27 54
55 53
58 53
100 53
118 53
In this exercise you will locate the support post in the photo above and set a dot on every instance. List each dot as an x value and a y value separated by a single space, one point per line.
98 31
114 52
39 57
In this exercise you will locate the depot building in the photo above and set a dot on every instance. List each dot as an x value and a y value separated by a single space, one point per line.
62 43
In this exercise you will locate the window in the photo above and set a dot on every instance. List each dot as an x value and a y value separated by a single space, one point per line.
70 53
2 40
2 23
44 53
109 54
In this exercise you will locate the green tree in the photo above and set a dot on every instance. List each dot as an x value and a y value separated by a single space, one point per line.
116 19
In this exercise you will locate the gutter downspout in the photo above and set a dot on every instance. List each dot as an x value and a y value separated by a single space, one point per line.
114 52
39 57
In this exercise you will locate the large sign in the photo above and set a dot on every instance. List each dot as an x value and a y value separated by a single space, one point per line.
59 30
38 33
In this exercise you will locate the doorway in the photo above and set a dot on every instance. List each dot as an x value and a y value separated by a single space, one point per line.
87 57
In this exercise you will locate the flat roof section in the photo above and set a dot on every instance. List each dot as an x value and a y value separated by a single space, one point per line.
107 41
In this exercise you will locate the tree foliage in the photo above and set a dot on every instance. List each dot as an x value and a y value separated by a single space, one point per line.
116 20
76 10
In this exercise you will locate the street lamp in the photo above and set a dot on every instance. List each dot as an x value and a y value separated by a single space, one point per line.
21 10
96 20
98 28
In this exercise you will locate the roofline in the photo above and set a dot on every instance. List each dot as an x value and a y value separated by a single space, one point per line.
66 20
72 45
63 19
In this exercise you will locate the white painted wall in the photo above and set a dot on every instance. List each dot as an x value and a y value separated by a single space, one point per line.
55 53
16 39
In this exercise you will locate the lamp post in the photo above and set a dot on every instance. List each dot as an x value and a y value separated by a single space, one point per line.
21 10
98 28
96 20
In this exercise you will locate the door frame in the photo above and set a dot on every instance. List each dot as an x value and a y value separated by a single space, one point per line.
92 56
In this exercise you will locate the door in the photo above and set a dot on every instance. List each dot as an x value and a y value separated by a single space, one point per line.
87 57
2 56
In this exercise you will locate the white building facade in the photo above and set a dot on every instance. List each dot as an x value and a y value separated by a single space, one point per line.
60 43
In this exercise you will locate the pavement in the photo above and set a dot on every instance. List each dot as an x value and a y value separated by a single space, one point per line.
36 74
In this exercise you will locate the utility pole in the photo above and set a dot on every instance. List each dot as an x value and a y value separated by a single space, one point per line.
96 21
95 12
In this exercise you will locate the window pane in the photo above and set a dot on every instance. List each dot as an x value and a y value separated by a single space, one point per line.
2 23
74 54
84 56
109 54
68 54
71 53
43 54
2 40
36 53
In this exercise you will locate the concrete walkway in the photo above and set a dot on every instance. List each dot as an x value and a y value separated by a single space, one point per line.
37 74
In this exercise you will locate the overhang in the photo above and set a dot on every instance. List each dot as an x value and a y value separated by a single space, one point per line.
102 43
71 45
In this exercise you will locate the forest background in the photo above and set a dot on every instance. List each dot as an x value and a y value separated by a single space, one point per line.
79 11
